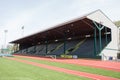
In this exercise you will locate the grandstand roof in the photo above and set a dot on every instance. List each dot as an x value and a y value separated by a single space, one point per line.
76 27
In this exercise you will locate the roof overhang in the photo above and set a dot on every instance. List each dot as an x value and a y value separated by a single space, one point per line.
76 27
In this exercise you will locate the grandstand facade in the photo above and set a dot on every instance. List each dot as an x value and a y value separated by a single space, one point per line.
90 36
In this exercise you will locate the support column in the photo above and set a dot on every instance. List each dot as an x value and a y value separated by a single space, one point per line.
100 40
64 47
46 42
26 50
99 27
34 48
95 42
64 42
106 37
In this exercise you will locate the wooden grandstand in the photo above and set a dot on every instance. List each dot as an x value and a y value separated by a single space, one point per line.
86 36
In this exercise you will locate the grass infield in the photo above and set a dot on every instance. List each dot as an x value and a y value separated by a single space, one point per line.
77 68
13 70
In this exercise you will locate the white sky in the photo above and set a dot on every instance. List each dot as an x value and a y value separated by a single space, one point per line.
37 15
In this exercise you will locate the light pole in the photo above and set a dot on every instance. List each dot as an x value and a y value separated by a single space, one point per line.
22 31
5 31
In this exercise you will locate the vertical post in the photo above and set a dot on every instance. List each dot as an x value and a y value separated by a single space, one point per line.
46 46
106 37
64 42
27 50
34 48
95 43
5 38
100 40
64 46
46 42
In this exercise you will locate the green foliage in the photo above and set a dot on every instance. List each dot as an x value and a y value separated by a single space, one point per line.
117 23
13 70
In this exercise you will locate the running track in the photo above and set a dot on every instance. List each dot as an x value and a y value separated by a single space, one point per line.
77 73
109 65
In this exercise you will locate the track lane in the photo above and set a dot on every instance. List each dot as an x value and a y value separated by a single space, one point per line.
108 65
77 73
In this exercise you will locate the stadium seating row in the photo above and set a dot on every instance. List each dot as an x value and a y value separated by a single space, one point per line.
81 48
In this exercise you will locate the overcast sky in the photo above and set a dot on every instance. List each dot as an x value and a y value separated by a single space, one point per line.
37 15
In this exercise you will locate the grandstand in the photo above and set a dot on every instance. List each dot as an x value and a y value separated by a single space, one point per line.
90 36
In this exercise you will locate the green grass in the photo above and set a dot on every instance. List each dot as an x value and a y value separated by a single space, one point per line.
13 70
79 68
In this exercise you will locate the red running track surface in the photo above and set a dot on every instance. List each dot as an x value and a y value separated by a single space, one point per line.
109 65
77 73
